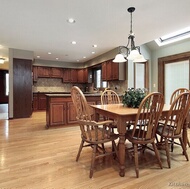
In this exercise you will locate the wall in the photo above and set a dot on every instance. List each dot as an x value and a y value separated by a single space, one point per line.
48 63
53 85
174 48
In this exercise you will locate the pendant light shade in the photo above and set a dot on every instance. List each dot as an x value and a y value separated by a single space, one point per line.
119 58
132 52
2 60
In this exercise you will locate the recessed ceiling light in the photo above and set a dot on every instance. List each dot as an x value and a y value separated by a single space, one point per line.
77 60
71 20
84 57
94 46
93 52
38 56
74 42
57 58
49 52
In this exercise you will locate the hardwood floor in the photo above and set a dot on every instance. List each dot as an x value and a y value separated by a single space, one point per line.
32 157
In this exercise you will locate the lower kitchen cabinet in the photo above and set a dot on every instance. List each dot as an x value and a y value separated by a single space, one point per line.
58 114
60 109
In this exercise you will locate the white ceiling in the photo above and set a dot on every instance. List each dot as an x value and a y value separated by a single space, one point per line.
41 25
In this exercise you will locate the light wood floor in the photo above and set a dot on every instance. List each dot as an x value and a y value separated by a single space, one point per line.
32 157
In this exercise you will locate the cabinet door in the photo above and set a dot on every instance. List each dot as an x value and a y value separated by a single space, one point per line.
85 75
74 76
41 102
35 73
80 76
56 72
35 102
43 72
71 113
66 75
58 114
115 71
104 78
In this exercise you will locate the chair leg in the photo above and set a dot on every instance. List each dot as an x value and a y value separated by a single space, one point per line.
136 160
167 153
188 142
93 160
157 154
80 149
184 149
114 147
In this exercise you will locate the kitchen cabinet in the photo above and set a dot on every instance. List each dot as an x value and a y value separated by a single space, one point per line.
60 109
113 71
35 73
70 75
58 113
44 71
39 101
82 76
35 102
56 72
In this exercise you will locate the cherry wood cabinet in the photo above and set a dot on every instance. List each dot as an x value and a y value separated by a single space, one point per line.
56 72
113 71
39 101
82 75
44 72
70 75
60 109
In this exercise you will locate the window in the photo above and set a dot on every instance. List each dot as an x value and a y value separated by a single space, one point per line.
98 83
173 37
171 83
141 79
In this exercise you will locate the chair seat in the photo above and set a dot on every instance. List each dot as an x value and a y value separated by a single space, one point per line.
138 137
167 131
103 136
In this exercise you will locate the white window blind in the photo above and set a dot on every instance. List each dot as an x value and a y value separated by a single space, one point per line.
176 76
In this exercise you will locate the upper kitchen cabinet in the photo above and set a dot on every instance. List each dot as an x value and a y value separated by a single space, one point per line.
70 75
44 72
113 71
83 75
56 72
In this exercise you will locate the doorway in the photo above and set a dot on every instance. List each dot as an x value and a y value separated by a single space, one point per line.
4 94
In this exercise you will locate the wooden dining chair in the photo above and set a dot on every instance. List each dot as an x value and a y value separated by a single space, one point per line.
110 97
93 133
145 125
174 123
175 94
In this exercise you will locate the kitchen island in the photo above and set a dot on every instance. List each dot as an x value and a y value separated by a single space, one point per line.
60 109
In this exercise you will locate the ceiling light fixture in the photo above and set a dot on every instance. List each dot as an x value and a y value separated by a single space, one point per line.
132 53
74 42
94 46
2 60
71 20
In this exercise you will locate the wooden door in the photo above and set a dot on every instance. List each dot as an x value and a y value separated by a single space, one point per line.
22 88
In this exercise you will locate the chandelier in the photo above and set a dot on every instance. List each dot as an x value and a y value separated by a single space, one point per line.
132 53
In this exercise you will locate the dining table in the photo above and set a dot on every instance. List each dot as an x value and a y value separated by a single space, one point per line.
122 114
